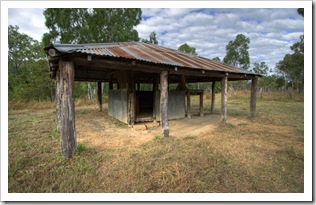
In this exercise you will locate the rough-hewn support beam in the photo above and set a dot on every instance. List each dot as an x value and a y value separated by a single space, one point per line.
131 99
253 97
111 83
155 89
188 105
164 103
213 97
224 100
183 83
201 105
100 95
67 108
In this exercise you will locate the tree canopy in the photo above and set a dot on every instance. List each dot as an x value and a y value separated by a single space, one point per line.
237 52
28 70
217 59
260 68
82 25
152 38
187 49
292 65
300 11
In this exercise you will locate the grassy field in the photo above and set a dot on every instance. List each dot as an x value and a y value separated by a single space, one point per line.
261 155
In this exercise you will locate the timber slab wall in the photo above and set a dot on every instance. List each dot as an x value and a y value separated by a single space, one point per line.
117 104
176 105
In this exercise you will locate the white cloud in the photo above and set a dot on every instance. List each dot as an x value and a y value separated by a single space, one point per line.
271 31
30 21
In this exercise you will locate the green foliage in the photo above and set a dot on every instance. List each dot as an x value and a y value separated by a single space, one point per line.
157 138
237 52
28 70
82 25
292 65
81 148
216 59
260 68
300 11
187 49
152 38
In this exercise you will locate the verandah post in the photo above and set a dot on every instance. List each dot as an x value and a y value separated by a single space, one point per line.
224 99
213 97
67 108
100 95
253 97
164 103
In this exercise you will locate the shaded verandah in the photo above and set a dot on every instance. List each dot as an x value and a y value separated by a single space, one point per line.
69 66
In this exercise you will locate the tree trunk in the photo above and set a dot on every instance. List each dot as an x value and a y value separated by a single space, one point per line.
164 103
260 92
224 99
67 108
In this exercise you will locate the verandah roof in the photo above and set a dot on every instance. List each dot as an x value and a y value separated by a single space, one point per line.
151 57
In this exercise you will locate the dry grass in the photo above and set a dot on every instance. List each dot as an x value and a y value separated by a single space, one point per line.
264 154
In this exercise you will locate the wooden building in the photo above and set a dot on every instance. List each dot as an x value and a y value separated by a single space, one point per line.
125 66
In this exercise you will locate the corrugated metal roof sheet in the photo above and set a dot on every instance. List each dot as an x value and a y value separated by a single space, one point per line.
149 53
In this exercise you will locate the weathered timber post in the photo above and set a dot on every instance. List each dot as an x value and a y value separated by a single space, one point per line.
224 99
58 99
131 99
155 89
164 103
253 97
100 95
183 82
213 97
111 82
188 105
67 108
201 105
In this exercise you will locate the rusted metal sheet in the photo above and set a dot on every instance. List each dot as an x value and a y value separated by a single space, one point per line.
149 53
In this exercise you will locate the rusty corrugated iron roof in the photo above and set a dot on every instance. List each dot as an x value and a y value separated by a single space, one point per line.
149 53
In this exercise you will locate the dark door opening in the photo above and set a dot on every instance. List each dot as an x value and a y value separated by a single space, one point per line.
144 106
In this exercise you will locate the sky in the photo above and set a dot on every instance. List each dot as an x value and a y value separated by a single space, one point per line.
271 30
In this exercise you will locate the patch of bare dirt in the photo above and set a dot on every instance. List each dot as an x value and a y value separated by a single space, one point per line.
100 130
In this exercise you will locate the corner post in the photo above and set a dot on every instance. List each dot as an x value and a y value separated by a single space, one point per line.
100 95
164 103
224 99
67 108
253 97
213 97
